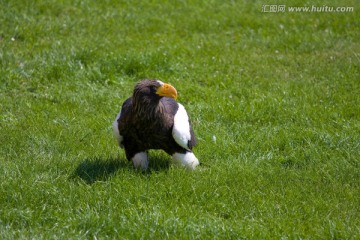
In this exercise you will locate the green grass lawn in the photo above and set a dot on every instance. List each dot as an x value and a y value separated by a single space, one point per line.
280 93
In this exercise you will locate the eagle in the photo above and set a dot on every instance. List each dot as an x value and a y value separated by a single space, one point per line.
152 119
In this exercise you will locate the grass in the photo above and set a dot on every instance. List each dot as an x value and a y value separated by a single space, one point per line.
279 91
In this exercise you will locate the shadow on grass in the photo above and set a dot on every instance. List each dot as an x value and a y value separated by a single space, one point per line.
96 169
158 163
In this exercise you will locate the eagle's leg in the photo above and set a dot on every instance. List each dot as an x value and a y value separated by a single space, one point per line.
186 159
140 160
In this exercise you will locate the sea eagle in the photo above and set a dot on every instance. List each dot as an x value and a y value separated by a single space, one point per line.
152 119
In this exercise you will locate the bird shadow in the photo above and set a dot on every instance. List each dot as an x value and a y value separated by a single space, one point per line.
158 162
95 169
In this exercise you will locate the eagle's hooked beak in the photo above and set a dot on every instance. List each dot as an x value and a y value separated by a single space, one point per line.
166 90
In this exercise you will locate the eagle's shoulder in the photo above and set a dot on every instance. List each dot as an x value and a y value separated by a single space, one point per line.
127 105
169 106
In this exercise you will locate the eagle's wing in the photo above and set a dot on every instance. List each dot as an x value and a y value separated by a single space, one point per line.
116 132
120 121
182 131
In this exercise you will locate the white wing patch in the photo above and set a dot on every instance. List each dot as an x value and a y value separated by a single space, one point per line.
181 129
116 130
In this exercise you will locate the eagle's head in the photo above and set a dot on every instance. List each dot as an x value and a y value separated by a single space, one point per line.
153 90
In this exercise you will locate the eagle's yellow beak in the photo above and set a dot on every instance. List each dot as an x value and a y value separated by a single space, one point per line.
166 90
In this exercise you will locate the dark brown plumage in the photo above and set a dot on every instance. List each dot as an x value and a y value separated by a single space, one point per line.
152 119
